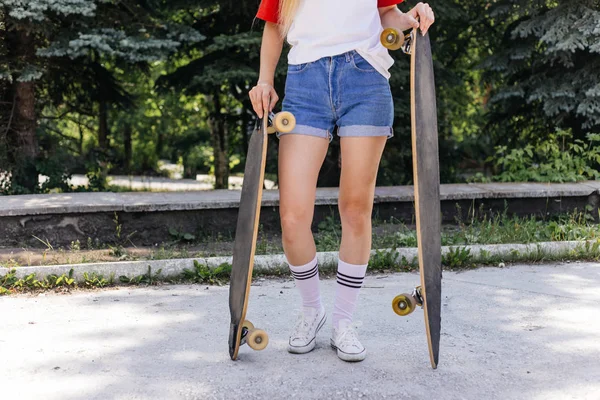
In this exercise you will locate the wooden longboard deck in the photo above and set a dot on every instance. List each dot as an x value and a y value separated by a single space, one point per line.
246 234
427 187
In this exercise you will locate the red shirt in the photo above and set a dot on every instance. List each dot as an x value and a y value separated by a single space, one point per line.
269 9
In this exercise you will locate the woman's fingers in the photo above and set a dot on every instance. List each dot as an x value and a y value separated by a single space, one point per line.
426 16
256 100
263 98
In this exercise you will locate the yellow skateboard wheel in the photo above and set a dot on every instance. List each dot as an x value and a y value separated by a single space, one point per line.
284 122
257 339
248 325
392 39
403 304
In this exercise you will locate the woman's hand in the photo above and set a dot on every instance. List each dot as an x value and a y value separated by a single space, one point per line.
263 97
424 13
421 16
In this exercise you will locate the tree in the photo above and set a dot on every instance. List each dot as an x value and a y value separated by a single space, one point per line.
544 70
221 68
79 42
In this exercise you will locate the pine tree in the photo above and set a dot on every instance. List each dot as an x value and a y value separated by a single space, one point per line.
545 70
65 48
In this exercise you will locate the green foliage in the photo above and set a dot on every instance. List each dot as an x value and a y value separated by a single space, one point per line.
120 85
10 283
544 68
94 280
149 278
383 259
38 10
76 53
201 273
577 226
559 158
181 236
503 228
458 258
330 234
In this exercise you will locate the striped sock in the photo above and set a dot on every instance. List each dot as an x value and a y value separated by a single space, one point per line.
307 282
349 281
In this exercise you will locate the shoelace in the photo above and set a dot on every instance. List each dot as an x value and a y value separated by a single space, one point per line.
302 327
349 336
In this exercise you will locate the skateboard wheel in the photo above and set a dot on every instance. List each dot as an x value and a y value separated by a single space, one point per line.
248 325
392 39
403 304
284 122
257 339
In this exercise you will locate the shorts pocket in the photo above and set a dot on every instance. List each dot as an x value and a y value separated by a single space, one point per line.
297 68
359 63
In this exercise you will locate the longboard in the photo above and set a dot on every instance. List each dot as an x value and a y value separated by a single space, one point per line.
426 173
242 331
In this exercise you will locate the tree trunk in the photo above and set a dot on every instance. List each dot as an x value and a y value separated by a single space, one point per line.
22 140
219 133
103 125
127 145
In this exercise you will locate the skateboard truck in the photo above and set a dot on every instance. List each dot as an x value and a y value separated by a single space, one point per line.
257 339
393 40
405 303
283 122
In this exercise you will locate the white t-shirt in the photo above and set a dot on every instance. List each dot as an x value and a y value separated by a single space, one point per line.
324 28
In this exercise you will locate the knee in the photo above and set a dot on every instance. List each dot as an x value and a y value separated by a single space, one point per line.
355 215
294 222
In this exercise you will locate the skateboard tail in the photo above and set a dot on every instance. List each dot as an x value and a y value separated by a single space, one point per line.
233 332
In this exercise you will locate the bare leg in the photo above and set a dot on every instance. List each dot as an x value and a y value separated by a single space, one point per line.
360 161
300 159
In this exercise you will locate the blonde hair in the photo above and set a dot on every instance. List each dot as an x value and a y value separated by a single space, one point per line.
287 11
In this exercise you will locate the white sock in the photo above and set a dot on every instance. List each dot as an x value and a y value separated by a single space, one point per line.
349 281
307 282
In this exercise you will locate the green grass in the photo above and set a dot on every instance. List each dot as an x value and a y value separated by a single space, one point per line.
382 261
497 229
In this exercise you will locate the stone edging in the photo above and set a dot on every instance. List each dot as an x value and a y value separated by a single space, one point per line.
271 263
70 203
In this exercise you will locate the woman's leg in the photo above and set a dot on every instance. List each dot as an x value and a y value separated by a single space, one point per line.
360 161
300 159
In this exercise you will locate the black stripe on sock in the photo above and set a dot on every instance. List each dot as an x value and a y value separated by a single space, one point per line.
351 280
350 286
339 278
304 273
307 277
351 277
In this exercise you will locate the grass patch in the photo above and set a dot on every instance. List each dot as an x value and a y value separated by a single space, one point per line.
481 228
201 273
381 261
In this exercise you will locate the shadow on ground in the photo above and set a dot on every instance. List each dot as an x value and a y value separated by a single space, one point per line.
525 332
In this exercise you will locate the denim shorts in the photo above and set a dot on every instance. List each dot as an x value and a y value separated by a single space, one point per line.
343 91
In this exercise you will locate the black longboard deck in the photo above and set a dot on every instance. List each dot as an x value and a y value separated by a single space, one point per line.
246 233
427 187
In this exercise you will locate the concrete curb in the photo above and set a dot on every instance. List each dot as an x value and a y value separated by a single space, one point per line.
273 263
75 203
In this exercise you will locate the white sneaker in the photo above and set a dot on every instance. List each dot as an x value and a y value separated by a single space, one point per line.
345 340
303 337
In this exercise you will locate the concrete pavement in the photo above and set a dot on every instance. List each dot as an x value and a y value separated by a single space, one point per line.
523 332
